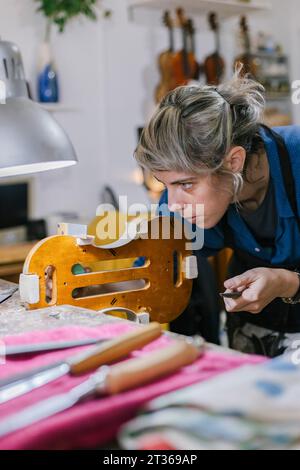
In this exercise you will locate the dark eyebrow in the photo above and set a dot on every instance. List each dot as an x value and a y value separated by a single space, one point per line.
185 180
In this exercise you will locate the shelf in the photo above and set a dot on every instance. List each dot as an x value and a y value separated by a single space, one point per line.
270 55
278 96
275 77
224 8
57 108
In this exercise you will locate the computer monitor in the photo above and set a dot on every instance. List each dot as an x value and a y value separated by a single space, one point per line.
14 205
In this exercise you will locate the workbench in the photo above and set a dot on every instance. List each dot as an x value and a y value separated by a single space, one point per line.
14 319
112 412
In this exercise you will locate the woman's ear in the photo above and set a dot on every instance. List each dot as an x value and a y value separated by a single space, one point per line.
235 160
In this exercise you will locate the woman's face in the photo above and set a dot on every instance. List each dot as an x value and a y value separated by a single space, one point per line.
186 192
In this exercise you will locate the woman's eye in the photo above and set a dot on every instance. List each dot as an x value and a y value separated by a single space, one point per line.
187 186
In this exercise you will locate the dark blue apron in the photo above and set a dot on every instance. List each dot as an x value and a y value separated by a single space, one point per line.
277 316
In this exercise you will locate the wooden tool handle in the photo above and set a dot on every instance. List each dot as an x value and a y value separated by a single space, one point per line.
136 372
114 349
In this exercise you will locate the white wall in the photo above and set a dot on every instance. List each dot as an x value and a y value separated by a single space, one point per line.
108 73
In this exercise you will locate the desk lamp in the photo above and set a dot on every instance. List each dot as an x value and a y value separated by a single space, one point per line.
31 140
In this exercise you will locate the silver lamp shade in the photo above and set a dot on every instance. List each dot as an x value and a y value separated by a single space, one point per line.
30 139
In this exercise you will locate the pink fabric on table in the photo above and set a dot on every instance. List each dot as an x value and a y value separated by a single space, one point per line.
97 421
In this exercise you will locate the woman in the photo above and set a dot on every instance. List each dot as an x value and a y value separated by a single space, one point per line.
207 146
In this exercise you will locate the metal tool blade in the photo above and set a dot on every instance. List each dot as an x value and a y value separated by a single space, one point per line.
50 406
49 346
25 375
230 295
15 386
25 385
35 413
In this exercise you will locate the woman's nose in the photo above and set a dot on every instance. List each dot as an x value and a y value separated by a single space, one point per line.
174 205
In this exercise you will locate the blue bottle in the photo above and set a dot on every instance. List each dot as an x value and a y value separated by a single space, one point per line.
48 86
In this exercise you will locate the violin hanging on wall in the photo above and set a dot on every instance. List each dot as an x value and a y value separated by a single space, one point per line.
177 68
214 64
166 62
246 58
186 66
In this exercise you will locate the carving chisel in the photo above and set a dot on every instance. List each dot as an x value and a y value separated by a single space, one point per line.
82 363
106 381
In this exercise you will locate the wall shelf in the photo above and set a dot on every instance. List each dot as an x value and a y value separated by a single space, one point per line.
57 108
278 96
224 8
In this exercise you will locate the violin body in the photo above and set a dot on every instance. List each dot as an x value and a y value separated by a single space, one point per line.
167 69
186 68
214 67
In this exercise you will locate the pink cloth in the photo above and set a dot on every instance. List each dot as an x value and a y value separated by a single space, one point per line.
97 421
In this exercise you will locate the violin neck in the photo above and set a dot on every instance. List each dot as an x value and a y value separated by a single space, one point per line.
247 44
185 58
218 42
171 39
192 42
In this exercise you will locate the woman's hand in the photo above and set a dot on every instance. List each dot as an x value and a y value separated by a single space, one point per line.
259 287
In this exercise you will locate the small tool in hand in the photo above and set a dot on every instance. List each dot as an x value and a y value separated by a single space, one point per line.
231 295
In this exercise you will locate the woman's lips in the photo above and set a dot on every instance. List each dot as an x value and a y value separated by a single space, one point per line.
194 219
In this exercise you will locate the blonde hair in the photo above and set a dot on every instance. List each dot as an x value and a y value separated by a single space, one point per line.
195 127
